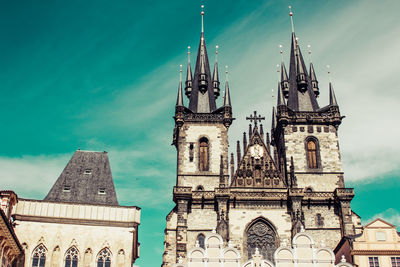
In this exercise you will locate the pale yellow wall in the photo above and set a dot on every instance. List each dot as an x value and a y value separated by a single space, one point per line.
82 231
368 241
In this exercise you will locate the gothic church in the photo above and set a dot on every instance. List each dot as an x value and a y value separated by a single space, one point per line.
280 183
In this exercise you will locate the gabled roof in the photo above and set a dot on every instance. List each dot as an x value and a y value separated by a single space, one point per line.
375 223
86 179
263 170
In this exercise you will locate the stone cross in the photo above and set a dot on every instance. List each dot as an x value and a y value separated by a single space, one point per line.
254 118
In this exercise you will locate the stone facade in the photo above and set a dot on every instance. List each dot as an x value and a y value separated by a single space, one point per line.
276 188
55 228
301 252
11 251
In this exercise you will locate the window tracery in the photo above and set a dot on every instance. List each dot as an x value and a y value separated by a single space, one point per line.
39 256
71 258
262 236
312 153
104 258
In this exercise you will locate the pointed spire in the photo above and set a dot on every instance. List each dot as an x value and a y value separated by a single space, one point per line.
188 88
281 97
291 18
239 157
284 76
262 132
215 75
332 97
268 144
301 96
227 97
244 143
250 132
179 101
232 165
314 81
202 99
273 118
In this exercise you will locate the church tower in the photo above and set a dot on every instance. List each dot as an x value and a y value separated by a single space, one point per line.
305 137
201 140
278 188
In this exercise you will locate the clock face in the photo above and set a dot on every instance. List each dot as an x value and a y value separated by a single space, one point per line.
256 151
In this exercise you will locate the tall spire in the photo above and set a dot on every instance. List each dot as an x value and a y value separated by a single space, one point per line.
188 87
332 97
313 77
301 96
281 98
227 97
202 99
273 124
284 76
215 75
179 100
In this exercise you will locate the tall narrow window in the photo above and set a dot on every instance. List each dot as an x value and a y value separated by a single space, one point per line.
71 258
373 261
312 154
104 258
39 256
395 261
203 154
201 239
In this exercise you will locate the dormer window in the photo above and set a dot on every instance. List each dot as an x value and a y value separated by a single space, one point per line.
88 171
67 188
102 191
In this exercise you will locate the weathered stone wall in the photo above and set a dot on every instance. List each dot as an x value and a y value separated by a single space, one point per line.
188 171
329 156
241 218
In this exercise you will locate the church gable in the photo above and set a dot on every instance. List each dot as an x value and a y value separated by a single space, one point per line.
257 168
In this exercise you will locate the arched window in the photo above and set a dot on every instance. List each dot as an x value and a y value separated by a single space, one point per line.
201 239
200 188
104 258
312 154
39 256
261 235
71 257
204 154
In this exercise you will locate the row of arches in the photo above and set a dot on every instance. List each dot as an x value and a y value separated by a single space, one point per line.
260 234
72 257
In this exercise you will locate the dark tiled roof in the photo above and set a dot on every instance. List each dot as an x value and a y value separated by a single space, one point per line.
202 102
86 179
297 100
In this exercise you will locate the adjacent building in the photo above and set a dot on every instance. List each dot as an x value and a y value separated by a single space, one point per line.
377 246
80 222
11 251
280 182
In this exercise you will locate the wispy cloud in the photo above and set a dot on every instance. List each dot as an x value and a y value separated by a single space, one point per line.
390 215
31 176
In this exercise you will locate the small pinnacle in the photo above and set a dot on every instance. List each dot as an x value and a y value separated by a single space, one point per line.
226 73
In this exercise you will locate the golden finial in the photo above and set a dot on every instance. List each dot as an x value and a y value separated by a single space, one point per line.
281 51
309 52
188 54
180 72
291 17
216 53
226 72
329 72
272 92
278 71
202 20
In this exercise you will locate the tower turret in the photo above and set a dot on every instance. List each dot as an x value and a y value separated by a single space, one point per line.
189 80
215 75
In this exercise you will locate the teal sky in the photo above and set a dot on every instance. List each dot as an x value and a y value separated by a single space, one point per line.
104 75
